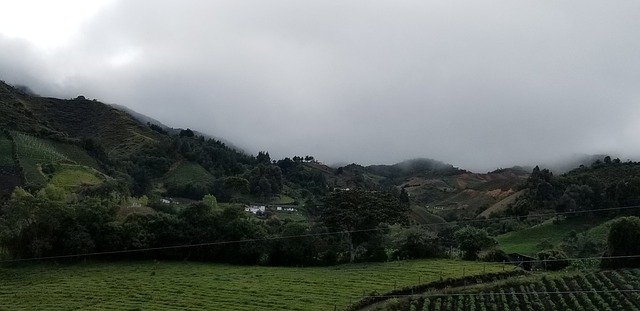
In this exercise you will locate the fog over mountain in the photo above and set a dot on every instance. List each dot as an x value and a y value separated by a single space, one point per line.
479 84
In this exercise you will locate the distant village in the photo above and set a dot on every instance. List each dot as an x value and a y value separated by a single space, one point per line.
259 209
254 208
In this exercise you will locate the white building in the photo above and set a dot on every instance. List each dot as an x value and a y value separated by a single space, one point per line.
255 209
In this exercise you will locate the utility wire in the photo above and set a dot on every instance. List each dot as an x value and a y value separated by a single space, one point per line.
431 294
181 246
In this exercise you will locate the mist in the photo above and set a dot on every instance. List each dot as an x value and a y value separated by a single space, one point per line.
478 84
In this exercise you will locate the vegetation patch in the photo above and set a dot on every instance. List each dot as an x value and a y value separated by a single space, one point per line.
421 215
526 241
72 176
42 150
6 151
189 180
10 173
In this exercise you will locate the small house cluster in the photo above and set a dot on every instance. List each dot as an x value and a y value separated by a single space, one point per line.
255 209
286 209
260 209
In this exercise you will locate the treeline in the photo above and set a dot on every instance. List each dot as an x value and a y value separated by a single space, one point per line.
605 184
52 222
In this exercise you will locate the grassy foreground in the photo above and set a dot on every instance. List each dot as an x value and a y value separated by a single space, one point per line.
147 285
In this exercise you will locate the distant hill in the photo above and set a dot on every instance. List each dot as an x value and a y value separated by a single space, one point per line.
118 132
144 119
433 187
569 163
76 142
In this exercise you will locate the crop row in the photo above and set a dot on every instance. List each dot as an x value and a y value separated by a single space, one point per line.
37 149
605 290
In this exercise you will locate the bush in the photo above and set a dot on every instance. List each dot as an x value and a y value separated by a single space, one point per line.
494 255
623 241
417 242
555 259
472 240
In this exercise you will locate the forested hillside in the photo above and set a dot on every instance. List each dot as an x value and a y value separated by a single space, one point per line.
112 182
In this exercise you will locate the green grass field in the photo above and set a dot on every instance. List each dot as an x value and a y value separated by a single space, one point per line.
187 173
282 199
71 176
149 285
525 241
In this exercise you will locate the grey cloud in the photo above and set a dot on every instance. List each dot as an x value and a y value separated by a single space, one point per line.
480 84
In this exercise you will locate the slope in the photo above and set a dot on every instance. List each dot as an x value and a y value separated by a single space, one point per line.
118 132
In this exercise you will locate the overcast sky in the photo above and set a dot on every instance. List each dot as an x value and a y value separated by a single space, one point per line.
479 84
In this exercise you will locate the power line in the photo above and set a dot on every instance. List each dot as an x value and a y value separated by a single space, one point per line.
569 259
430 294
116 252
537 215
189 245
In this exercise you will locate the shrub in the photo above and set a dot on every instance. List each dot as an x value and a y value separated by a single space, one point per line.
417 242
554 259
494 255
472 240
623 241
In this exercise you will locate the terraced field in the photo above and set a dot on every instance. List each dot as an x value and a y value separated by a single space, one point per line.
33 152
604 290
37 148
196 286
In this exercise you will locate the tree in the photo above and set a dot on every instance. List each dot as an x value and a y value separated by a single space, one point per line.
553 259
186 133
623 241
265 180
210 201
264 188
53 193
263 158
299 250
418 242
472 240
359 210
232 187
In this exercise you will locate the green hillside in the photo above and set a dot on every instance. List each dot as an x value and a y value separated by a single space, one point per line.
10 172
34 153
16 115
117 131
525 241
